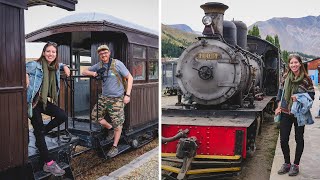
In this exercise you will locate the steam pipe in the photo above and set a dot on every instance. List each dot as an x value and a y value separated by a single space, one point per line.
179 135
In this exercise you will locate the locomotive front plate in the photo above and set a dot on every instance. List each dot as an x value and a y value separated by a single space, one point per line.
208 56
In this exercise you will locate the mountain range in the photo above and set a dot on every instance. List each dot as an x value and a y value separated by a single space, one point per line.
178 34
295 34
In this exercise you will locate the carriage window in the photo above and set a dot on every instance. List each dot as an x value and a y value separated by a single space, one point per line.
153 70
153 53
139 52
85 63
139 70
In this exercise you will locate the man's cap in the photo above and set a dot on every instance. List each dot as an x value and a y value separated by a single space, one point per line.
102 47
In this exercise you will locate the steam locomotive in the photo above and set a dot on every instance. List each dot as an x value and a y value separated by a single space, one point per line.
229 80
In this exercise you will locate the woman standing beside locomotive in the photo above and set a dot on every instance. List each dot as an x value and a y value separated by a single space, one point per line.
43 81
296 80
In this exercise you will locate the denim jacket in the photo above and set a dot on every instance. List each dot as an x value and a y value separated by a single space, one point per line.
301 109
35 72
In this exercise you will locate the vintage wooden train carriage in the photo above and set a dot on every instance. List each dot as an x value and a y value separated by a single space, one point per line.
78 37
13 116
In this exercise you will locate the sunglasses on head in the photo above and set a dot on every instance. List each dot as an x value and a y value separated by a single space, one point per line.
52 43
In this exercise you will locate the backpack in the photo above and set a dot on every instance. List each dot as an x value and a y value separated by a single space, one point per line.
118 75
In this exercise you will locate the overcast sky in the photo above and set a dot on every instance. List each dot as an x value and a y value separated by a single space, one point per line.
141 12
146 13
249 11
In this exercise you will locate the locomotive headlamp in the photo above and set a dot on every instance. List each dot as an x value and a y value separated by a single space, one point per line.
207 20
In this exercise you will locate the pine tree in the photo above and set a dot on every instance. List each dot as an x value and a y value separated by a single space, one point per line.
276 41
285 56
254 31
169 49
270 39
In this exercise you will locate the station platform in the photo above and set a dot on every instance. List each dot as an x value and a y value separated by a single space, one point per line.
145 167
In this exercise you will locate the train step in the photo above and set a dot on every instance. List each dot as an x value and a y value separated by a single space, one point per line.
121 148
80 125
143 140
45 175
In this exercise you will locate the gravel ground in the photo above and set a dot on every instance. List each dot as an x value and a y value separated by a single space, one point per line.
89 166
145 167
169 100
259 166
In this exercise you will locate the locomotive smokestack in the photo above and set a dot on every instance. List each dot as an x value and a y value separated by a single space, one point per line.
213 19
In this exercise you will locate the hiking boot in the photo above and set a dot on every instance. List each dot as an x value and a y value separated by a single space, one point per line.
113 152
284 168
53 169
294 170
110 135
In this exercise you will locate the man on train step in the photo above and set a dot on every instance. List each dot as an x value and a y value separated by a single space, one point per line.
116 90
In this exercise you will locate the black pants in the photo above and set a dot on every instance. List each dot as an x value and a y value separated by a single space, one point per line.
40 130
285 129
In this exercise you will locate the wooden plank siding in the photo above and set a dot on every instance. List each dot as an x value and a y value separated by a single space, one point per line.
13 106
144 105
15 3
64 56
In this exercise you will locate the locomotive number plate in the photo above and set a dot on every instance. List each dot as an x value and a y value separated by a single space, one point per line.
208 56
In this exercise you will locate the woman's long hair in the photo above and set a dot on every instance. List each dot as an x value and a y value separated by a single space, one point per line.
301 69
56 61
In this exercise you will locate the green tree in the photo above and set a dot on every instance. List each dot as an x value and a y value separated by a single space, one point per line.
276 41
169 49
254 31
285 56
270 39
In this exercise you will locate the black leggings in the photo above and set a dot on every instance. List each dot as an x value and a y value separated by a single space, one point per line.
285 129
40 130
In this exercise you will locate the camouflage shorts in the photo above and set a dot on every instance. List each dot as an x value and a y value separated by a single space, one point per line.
111 105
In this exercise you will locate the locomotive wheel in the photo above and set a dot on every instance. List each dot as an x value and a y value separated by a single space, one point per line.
257 130
251 150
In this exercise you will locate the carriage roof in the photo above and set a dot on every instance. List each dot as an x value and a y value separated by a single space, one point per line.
90 22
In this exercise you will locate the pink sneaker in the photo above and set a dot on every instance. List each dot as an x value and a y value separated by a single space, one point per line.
54 169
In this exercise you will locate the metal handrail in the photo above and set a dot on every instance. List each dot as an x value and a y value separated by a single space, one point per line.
71 79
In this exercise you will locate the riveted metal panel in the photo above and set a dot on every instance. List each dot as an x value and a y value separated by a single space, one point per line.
211 140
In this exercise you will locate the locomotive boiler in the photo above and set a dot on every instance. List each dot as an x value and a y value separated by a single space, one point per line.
216 70
229 80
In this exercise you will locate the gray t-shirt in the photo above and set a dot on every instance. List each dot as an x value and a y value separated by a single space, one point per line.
110 86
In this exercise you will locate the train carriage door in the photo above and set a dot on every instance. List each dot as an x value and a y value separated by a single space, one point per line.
80 42
81 99
117 44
